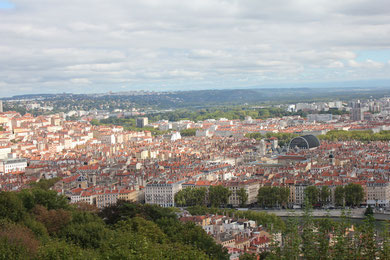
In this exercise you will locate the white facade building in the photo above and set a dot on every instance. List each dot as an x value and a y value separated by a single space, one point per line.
162 193
12 165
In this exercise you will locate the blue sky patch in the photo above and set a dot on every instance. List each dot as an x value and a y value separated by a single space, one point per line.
375 55
6 5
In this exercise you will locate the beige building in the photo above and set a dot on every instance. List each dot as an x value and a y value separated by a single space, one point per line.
162 193
251 188
378 193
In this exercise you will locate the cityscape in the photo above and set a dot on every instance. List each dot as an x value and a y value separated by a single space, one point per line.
194 130
334 157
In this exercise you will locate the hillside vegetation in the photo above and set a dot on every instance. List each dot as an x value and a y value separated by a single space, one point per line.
39 224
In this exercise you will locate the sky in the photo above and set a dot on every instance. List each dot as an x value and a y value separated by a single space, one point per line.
95 46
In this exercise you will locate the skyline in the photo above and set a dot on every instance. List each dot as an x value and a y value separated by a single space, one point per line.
96 46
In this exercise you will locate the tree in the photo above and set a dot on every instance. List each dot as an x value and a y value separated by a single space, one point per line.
191 197
60 249
247 256
219 195
284 193
188 132
54 220
385 250
366 241
369 211
242 196
354 194
312 194
266 196
273 196
17 242
339 196
45 184
309 245
11 206
324 194
291 240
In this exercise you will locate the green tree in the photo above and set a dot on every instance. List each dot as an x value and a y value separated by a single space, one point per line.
45 184
54 220
273 196
192 197
324 194
219 195
291 240
60 249
17 241
366 245
247 256
339 196
188 132
312 194
342 248
309 246
369 211
266 196
385 249
242 196
284 193
11 206
354 194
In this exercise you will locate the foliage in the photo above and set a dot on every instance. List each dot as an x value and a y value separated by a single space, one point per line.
230 112
273 196
365 136
60 249
247 256
53 220
45 184
35 224
369 211
192 197
312 194
128 124
47 198
188 132
218 195
242 196
283 138
339 195
11 207
335 111
17 242
270 221
354 194
324 194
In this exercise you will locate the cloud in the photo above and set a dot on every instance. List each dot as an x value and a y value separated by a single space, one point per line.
368 64
57 46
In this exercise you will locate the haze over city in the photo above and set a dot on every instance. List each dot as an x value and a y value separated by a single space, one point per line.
99 46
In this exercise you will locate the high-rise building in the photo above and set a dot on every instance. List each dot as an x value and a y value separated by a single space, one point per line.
1 106
142 121
357 114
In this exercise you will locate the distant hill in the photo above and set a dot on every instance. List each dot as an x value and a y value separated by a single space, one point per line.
203 98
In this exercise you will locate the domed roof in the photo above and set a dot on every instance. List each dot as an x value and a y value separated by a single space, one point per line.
304 142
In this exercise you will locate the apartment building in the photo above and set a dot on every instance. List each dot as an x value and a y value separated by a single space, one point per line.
251 188
162 193
378 193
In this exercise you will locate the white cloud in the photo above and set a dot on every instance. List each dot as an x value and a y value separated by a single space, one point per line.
80 81
336 64
57 45
368 64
